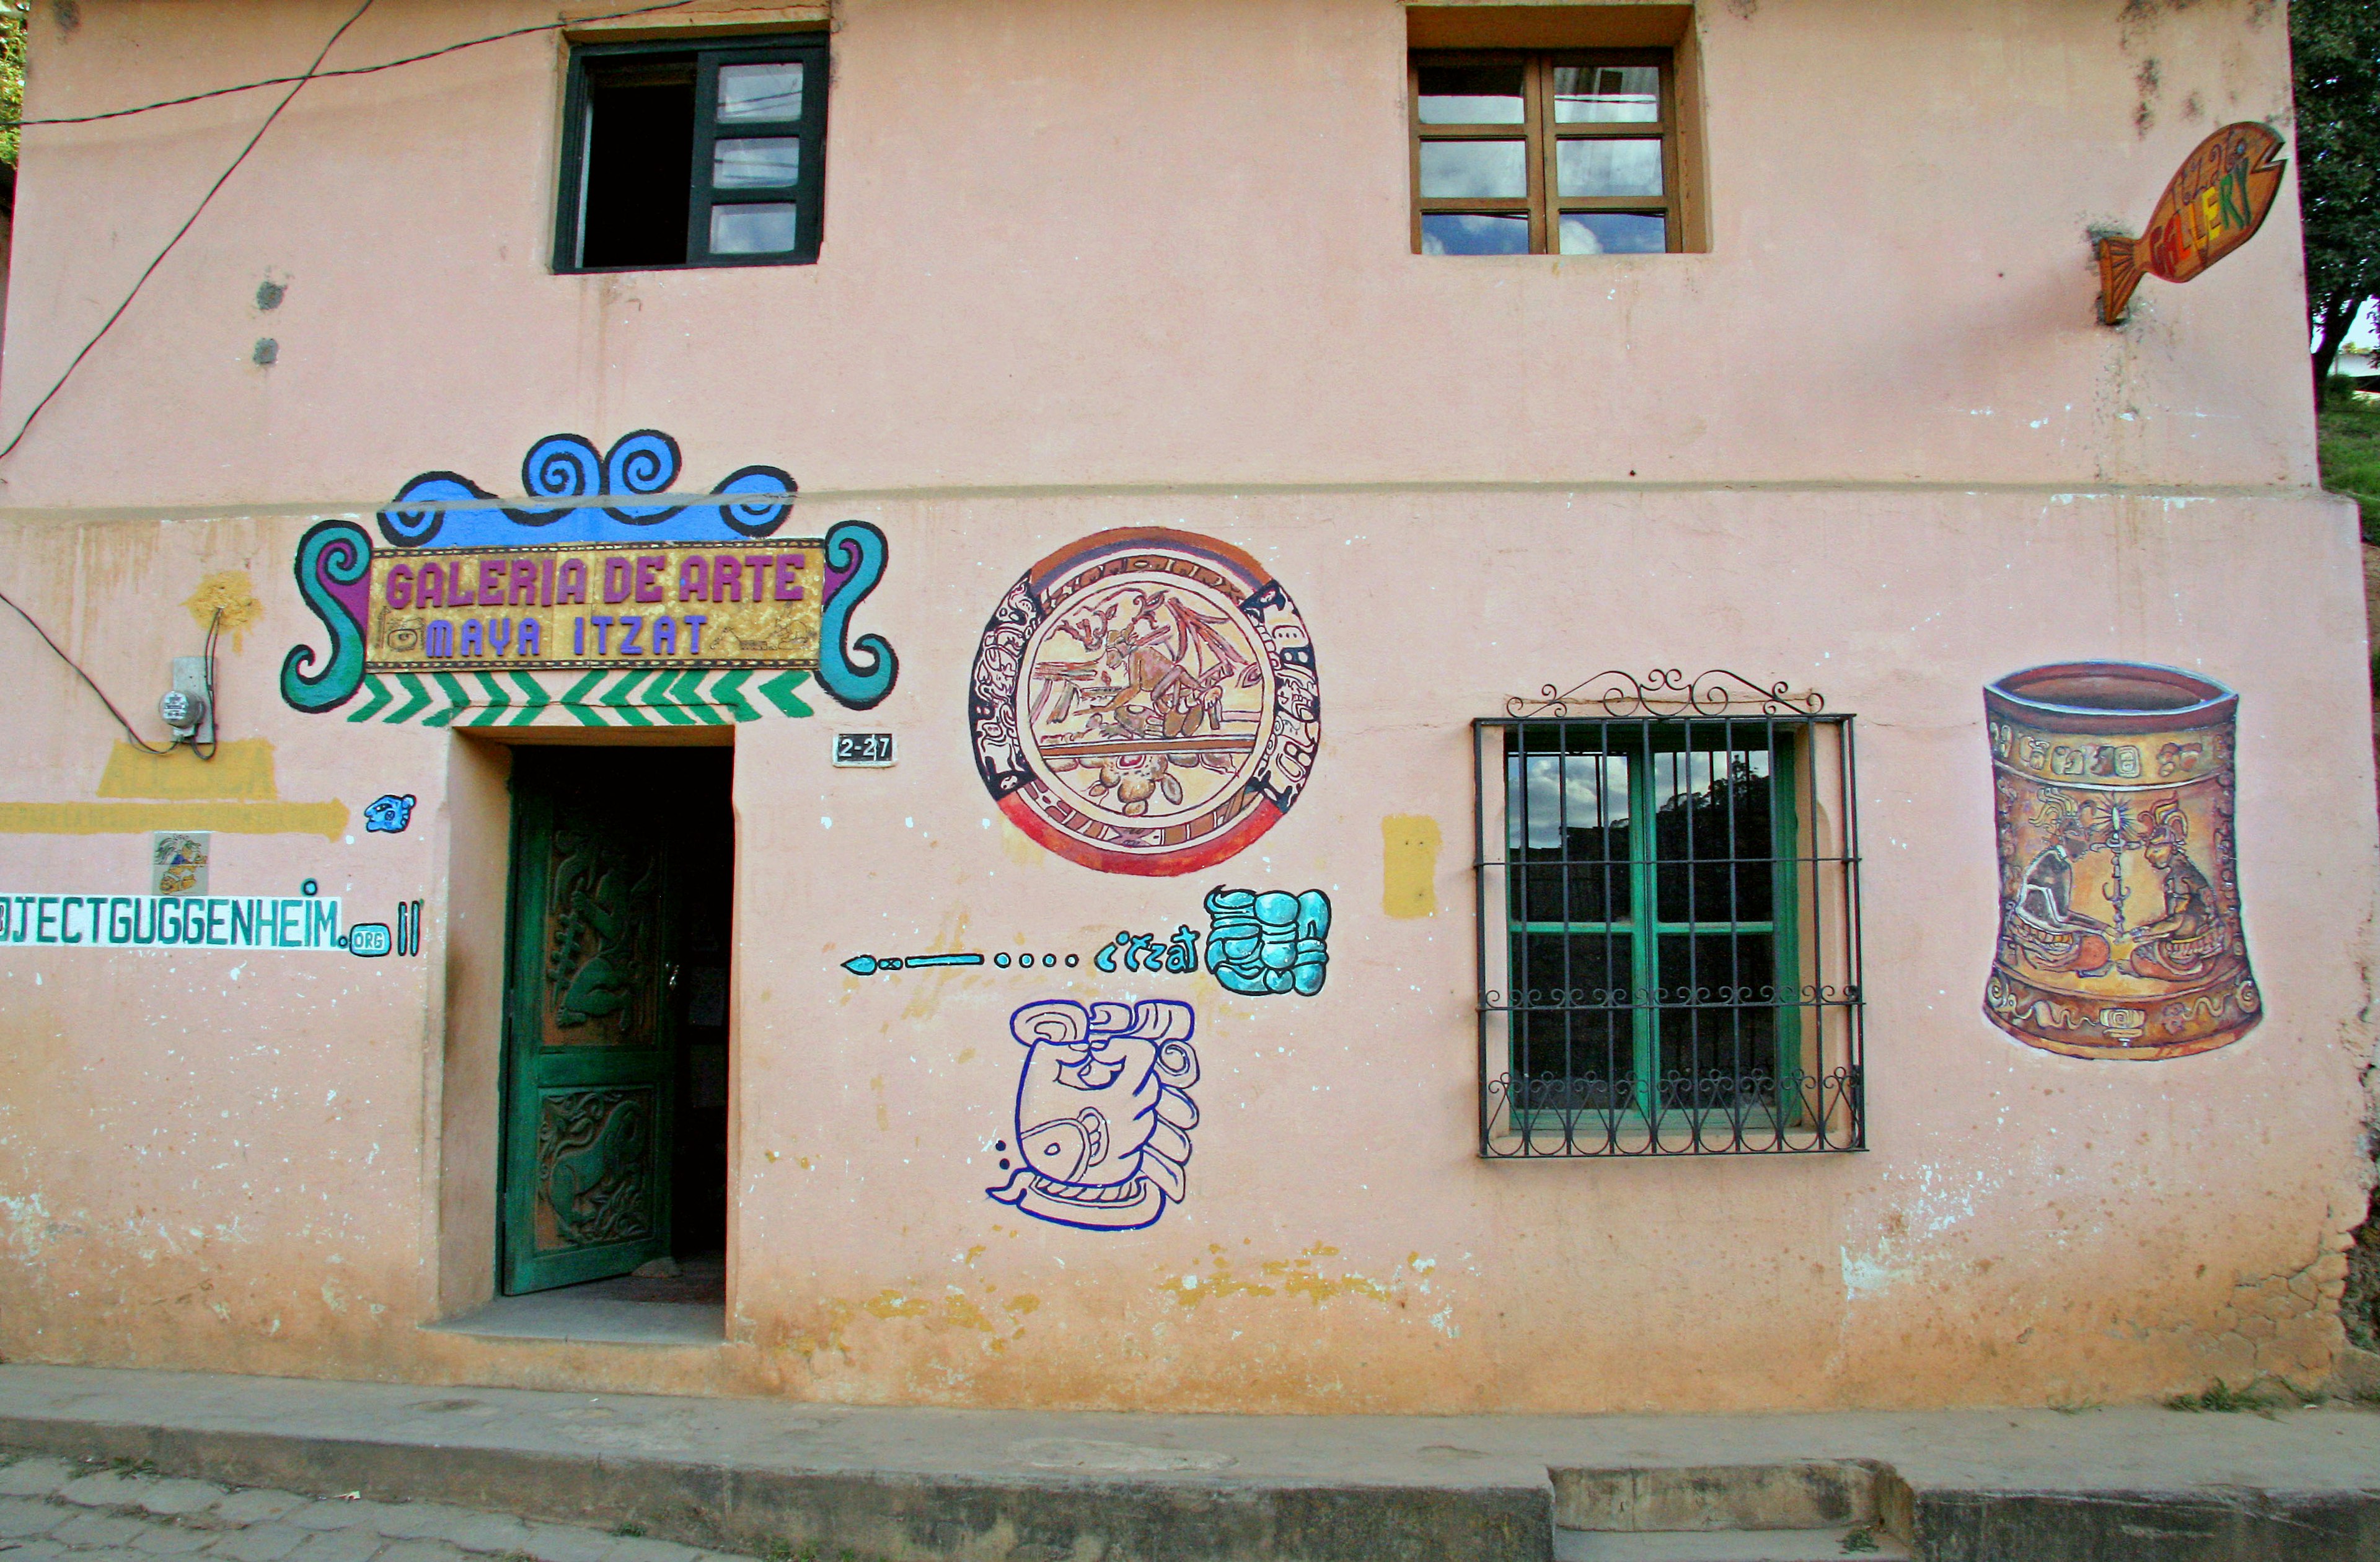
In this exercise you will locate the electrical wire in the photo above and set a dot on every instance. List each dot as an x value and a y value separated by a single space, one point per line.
140 742
215 719
192 221
347 70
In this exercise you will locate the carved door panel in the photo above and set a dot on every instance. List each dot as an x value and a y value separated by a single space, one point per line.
589 1034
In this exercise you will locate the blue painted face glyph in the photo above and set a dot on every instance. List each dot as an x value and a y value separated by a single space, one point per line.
390 815
1102 1112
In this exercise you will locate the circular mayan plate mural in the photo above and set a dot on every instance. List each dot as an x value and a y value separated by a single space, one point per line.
1145 701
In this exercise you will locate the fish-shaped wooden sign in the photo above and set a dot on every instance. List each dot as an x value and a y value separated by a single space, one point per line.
2218 201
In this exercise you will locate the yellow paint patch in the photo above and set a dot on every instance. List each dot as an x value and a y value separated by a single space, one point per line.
230 594
328 820
240 770
1409 846
1291 1277
954 1312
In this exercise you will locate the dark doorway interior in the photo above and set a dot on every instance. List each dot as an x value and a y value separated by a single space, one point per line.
617 1038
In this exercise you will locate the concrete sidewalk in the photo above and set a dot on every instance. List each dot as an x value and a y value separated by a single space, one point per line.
773 1478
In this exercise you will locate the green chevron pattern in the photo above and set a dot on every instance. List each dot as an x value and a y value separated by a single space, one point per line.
643 697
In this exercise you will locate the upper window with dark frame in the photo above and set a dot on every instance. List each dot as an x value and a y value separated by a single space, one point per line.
1571 152
680 155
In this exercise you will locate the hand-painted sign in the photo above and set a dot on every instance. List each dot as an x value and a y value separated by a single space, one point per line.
2214 205
218 921
661 594
600 607
1146 702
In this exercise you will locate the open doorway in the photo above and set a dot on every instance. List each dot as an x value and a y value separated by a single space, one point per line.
613 1197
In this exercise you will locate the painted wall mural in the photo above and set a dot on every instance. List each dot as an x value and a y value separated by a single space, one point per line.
1272 942
437 509
1103 1113
1259 944
1146 702
177 860
667 611
2121 933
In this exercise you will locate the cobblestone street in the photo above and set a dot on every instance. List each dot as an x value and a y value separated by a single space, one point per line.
51 1507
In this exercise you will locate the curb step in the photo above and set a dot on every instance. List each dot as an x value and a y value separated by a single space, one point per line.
1723 1545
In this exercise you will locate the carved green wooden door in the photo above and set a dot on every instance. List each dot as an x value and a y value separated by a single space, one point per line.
589 1044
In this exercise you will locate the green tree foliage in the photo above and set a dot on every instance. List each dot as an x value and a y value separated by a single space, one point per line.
2338 46
12 75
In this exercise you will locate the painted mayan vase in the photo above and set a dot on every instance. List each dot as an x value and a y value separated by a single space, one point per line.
2119 933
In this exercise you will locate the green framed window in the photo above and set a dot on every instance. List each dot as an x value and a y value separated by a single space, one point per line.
676 155
1668 942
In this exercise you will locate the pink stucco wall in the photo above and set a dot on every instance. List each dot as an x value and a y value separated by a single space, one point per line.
1101 265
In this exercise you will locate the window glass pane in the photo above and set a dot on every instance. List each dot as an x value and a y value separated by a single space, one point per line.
1718 1001
1573 1024
1624 167
1607 93
1471 95
1711 833
1456 232
743 164
750 93
1472 169
1567 823
762 229
1613 233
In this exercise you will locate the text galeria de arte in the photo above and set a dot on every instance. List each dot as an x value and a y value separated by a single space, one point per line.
592 607
461 582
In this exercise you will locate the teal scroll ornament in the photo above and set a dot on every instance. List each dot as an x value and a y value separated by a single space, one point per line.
854 562
334 570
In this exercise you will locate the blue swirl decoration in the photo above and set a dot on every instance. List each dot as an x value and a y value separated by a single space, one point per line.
560 465
756 518
333 571
446 509
644 462
857 551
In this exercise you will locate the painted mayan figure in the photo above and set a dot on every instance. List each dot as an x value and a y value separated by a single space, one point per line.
1103 1114
2119 929
2185 942
2042 922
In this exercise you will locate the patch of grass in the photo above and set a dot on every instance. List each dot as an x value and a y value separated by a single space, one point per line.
2221 1398
628 1528
1861 1539
123 1465
2349 445
778 1550
2077 1407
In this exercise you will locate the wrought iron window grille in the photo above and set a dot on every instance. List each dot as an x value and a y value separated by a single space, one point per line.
1669 921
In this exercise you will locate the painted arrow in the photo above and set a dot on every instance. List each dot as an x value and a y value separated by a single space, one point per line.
869 965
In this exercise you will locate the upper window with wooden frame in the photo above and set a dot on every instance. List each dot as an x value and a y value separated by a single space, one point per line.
1565 153
677 154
